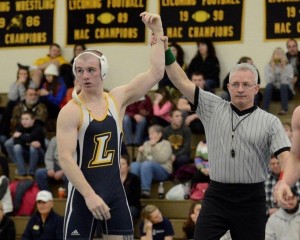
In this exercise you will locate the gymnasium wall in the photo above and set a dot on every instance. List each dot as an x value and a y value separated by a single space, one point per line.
127 60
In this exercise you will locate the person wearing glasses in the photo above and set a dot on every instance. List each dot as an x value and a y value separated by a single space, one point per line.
89 137
241 139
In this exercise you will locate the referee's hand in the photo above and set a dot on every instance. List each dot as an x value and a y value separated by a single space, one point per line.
97 206
283 194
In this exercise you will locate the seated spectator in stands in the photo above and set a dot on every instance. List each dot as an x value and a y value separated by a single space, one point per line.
154 160
293 55
7 226
27 142
279 78
78 48
273 175
284 223
15 95
132 186
53 57
162 106
30 103
180 137
44 223
225 94
5 195
288 129
178 53
53 91
136 121
189 225
154 225
191 119
53 171
206 61
202 164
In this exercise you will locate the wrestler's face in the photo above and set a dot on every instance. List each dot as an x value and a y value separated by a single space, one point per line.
88 72
242 88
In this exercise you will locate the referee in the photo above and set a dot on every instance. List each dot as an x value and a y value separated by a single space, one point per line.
241 138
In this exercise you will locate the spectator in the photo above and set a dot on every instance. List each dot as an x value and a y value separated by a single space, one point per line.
136 121
179 55
288 129
206 61
293 56
189 225
191 118
53 91
53 171
279 77
30 103
5 195
16 94
162 106
180 138
154 225
53 57
284 224
7 226
270 183
28 141
78 48
132 186
154 160
44 223
225 94
202 164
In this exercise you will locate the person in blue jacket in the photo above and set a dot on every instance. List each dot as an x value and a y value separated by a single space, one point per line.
44 224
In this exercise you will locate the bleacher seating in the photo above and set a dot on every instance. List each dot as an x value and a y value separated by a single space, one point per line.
176 211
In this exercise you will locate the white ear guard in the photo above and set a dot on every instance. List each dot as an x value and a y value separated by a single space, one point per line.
102 59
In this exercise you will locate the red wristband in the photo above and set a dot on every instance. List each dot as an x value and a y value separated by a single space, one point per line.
280 175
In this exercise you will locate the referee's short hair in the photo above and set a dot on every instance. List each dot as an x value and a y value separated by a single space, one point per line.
244 67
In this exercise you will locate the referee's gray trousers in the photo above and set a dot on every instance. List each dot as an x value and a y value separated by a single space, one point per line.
240 208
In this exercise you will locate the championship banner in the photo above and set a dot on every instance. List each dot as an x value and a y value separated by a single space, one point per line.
26 22
282 19
99 21
189 20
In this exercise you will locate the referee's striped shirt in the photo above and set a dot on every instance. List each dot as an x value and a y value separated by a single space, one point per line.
257 135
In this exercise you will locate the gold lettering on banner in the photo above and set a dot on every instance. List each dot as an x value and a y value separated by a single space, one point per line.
30 5
298 27
220 2
4 6
81 34
125 4
84 4
114 33
174 32
178 3
211 31
282 27
25 38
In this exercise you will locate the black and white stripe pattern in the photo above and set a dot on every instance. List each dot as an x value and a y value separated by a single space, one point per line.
258 136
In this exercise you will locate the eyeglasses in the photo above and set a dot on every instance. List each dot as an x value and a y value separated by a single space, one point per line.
236 85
